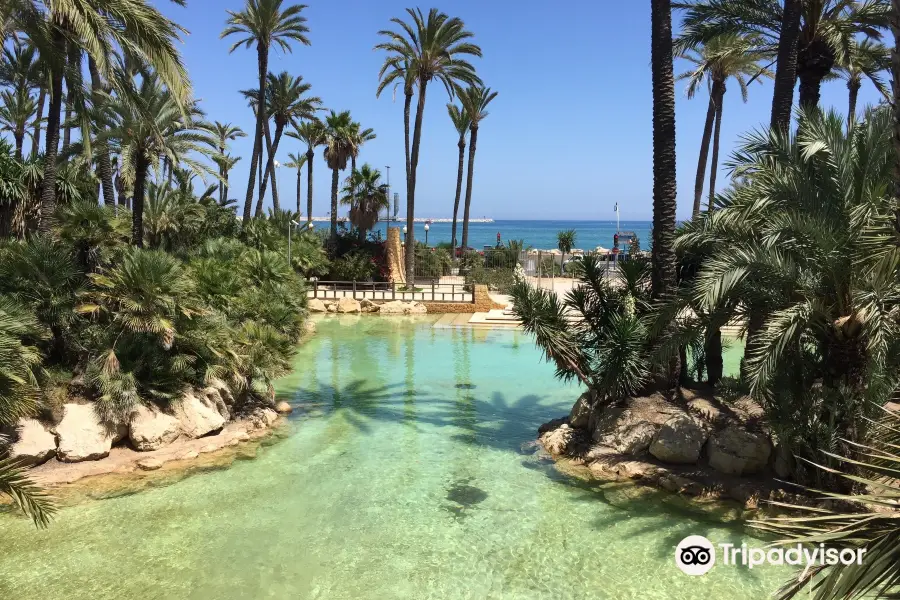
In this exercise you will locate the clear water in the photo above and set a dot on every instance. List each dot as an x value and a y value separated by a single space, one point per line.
407 474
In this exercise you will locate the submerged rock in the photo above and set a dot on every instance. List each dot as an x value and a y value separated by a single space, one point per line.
284 408
81 436
35 444
466 495
679 441
150 429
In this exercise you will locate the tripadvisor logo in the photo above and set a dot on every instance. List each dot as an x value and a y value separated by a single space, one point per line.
696 555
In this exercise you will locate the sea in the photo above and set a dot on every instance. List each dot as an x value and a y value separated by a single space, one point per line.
540 235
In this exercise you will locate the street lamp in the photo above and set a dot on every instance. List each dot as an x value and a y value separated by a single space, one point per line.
405 237
291 226
427 227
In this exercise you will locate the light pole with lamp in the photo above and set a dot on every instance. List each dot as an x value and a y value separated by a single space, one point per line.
291 226
405 236
427 227
387 213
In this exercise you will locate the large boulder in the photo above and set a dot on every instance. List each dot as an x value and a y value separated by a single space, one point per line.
214 397
82 436
284 408
557 441
198 416
150 429
368 306
623 430
679 440
35 444
348 305
736 451
395 307
261 418
580 415
317 306
417 309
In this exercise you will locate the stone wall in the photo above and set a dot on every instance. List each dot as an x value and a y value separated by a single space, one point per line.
483 303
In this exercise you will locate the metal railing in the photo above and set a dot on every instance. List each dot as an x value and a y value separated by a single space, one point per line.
430 291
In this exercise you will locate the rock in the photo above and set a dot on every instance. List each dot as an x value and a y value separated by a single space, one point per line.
415 308
189 455
580 415
735 451
81 436
214 397
224 391
348 305
208 448
150 428
395 307
557 441
284 408
262 418
331 307
35 444
783 465
149 464
679 441
316 306
198 417
368 306
680 485
309 327
623 430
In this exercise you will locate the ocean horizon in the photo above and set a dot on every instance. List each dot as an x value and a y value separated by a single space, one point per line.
538 234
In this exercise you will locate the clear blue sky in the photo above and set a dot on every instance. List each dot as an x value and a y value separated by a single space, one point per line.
568 136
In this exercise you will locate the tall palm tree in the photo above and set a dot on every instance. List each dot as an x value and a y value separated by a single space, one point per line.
827 28
895 80
287 104
21 68
565 241
664 183
147 128
100 91
722 58
432 47
297 162
17 111
312 133
863 59
475 100
225 132
358 138
461 122
338 148
399 71
135 25
366 196
264 23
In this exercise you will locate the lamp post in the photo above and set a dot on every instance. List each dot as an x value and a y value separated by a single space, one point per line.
291 226
427 227
387 213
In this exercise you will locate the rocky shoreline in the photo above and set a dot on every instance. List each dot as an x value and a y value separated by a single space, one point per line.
703 449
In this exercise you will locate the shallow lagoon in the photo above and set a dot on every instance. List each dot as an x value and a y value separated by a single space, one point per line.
407 473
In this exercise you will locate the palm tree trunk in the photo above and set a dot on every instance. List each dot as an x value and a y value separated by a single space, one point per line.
411 194
714 364
137 204
853 88
895 73
786 71
48 186
270 170
407 103
299 188
20 141
225 186
36 142
664 175
70 99
459 179
704 156
104 165
310 155
714 168
262 57
473 142
334 203
814 62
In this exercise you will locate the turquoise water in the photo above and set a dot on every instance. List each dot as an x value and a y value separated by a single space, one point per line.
537 234
407 474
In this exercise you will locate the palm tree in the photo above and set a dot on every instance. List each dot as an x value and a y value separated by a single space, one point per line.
461 122
565 241
338 148
895 72
400 71
21 68
136 25
148 127
475 101
863 59
786 69
722 58
827 28
431 47
225 132
359 137
312 133
287 104
17 111
366 196
664 183
297 162
264 23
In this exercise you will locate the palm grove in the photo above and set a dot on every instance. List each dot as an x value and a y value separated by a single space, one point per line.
802 248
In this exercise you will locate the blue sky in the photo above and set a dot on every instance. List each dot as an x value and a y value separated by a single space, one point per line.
568 136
